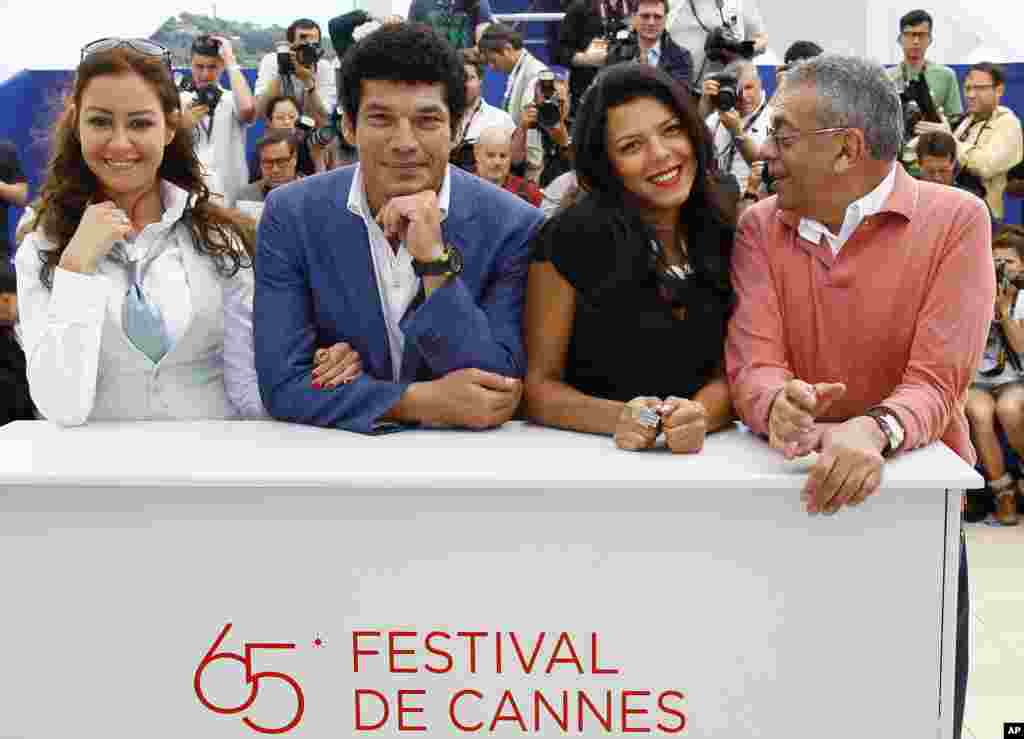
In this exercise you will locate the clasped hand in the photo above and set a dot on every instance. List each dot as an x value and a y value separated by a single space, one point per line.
684 423
416 220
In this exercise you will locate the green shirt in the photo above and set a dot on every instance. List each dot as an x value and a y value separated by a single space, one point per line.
942 83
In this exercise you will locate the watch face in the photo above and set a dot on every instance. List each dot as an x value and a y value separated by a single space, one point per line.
454 260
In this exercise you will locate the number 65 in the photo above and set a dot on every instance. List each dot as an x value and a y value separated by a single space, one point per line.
252 678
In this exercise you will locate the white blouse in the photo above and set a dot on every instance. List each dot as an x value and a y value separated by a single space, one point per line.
82 366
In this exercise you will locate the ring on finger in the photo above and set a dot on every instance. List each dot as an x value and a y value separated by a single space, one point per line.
648 418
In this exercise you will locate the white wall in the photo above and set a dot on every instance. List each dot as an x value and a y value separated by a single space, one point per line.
963 32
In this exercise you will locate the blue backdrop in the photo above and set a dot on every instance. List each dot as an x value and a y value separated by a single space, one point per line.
30 100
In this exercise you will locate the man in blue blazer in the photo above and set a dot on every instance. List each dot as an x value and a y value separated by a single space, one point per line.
420 268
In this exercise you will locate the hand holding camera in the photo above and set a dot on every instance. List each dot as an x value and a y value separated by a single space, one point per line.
196 112
300 60
596 53
723 91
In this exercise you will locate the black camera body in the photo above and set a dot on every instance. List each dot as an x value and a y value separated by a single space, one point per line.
918 106
307 54
321 136
549 108
208 95
728 91
722 46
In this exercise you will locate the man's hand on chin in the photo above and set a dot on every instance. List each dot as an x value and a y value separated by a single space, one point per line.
849 466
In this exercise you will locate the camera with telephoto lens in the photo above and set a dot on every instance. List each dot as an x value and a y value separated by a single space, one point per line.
728 91
321 136
549 109
208 95
723 46
918 106
307 54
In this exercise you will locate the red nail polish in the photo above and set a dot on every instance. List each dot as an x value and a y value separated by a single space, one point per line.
316 385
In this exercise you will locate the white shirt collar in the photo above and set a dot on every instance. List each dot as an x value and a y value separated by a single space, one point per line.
856 212
358 205
757 108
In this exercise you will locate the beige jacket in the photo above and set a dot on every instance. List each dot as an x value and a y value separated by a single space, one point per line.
990 149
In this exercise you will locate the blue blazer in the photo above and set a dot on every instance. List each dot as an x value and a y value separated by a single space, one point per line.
315 286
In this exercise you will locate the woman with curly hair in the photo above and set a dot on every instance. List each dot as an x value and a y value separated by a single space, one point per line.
629 293
123 282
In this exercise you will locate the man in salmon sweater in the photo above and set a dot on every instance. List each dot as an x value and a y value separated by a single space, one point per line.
864 296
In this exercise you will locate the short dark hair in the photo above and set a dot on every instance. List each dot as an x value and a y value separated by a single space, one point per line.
277 136
403 52
663 3
274 101
303 24
498 36
206 45
800 50
936 144
471 58
621 84
916 18
997 73
1010 236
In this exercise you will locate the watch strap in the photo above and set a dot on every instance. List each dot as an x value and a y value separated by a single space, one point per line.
889 423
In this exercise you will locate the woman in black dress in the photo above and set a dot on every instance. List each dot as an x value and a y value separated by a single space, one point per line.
629 292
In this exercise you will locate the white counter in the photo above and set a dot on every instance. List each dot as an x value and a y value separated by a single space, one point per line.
126 548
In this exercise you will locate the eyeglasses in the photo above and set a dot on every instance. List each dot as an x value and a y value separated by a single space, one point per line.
276 163
975 88
141 45
781 141
916 35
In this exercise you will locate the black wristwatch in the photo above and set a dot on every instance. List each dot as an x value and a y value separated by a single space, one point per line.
449 264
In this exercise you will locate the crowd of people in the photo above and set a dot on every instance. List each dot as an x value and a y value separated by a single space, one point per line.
649 249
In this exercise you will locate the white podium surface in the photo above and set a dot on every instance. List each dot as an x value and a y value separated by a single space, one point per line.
715 605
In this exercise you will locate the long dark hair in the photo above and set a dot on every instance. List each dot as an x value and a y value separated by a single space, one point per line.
711 224
70 185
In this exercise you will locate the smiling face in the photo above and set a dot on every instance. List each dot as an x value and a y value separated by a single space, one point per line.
651 153
123 132
403 133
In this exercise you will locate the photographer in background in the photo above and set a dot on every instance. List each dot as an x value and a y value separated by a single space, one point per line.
797 52
997 393
649 43
501 47
283 115
298 69
939 81
738 115
548 117
587 30
13 191
479 115
218 117
717 32
989 142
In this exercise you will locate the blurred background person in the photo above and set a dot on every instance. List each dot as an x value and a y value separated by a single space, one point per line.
479 115
717 32
283 115
637 267
218 117
936 161
298 69
989 139
797 52
548 117
738 115
493 151
277 153
939 81
459 22
996 398
124 282
584 37
501 47
13 191
649 43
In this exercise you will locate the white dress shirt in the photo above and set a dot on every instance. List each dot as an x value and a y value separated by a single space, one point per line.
487 116
81 366
219 142
754 125
856 212
397 284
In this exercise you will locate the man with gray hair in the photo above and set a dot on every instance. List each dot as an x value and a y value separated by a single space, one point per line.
738 119
864 296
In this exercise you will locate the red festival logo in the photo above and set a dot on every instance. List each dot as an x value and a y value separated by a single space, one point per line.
251 678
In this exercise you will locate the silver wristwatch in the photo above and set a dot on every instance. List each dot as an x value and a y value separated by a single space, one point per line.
890 426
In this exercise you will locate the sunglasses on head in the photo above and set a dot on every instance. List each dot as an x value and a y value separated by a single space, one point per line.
140 45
